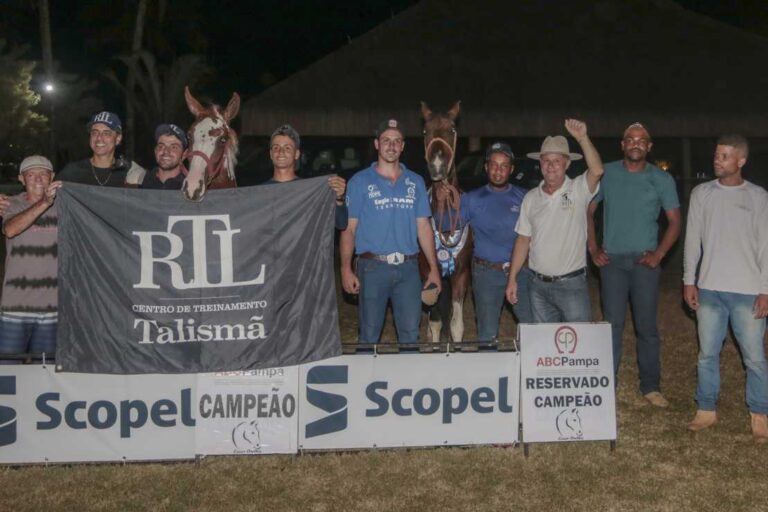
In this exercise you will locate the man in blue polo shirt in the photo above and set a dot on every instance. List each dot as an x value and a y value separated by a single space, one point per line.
633 193
388 221
492 212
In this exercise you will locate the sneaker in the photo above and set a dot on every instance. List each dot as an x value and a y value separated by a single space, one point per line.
759 427
702 420
656 399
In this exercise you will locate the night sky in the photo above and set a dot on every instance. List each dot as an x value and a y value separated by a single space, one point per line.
251 45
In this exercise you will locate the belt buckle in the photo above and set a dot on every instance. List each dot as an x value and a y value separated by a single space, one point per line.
505 267
395 258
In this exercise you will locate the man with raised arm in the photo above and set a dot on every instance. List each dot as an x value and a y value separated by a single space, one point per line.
633 192
388 222
727 234
552 231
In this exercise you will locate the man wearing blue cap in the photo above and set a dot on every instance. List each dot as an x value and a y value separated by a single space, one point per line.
170 144
103 168
388 222
492 212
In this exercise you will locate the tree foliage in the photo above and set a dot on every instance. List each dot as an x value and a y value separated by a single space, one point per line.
22 130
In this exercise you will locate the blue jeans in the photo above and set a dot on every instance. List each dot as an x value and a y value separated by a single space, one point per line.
27 335
715 309
488 287
380 282
566 300
624 280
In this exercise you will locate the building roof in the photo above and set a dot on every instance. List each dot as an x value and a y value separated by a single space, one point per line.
521 67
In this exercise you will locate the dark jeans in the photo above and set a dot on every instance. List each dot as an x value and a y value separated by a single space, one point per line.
566 300
488 287
381 282
623 281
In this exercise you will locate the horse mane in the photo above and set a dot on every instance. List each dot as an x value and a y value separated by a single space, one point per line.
232 146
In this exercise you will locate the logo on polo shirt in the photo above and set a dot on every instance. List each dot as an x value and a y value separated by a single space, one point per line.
373 191
411 188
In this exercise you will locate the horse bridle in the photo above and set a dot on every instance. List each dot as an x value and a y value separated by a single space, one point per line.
453 196
428 146
212 170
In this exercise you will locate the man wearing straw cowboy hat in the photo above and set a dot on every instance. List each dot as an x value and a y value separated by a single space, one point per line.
552 231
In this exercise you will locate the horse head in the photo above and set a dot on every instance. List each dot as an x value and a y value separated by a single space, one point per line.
440 142
212 152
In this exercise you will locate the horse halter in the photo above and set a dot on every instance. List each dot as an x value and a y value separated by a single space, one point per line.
428 146
452 200
212 168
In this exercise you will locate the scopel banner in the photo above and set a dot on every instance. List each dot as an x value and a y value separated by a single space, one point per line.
151 283
409 400
55 417
567 382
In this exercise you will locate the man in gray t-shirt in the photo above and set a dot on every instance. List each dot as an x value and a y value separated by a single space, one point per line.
28 308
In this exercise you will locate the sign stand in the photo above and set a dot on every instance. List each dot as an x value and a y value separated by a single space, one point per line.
567 383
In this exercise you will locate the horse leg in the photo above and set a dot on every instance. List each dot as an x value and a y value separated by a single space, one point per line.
435 324
443 308
459 283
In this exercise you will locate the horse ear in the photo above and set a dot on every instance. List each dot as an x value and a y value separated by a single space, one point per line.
453 113
426 113
233 107
194 106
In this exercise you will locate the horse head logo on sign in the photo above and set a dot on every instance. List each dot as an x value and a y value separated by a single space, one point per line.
565 340
568 424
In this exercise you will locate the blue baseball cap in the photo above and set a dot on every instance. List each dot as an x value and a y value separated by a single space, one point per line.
171 129
499 147
107 118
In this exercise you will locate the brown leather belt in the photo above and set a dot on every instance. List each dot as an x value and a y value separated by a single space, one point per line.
502 267
395 258
554 279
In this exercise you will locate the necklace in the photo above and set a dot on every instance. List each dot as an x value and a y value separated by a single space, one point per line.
96 176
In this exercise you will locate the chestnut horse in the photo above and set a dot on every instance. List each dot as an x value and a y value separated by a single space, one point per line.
452 240
212 152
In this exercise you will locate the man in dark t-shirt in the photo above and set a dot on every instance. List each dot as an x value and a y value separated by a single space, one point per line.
170 144
284 151
104 168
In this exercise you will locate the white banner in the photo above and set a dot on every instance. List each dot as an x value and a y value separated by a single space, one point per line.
567 382
409 400
50 417
246 413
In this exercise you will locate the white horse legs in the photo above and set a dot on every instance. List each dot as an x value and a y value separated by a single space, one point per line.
457 320
434 330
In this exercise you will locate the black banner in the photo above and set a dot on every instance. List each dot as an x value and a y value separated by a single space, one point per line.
151 283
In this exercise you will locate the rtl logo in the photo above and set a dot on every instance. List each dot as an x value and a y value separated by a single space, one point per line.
201 226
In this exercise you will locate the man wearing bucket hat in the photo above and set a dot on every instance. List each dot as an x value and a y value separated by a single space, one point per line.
552 231
633 191
170 145
285 151
388 222
104 168
492 212
28 307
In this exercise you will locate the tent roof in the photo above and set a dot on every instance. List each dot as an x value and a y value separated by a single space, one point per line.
521 67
